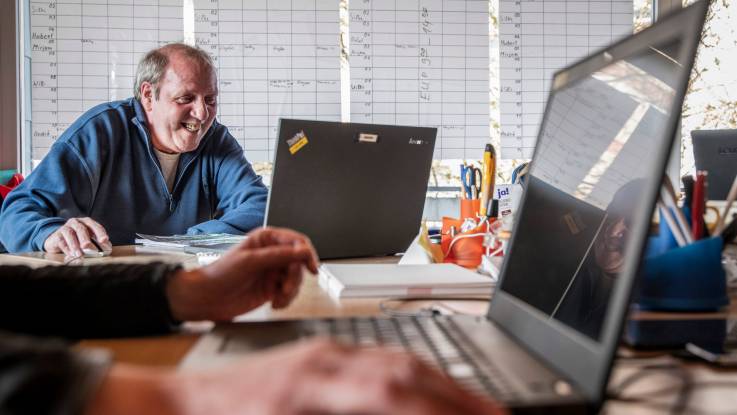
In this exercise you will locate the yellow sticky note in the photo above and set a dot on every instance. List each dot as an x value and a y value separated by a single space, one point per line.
297 142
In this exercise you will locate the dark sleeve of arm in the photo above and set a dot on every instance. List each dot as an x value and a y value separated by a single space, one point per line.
80 302
44 377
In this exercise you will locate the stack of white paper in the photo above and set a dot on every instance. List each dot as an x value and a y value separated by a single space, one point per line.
389 280
205 240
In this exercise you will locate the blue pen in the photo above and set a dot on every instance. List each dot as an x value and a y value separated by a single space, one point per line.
463 181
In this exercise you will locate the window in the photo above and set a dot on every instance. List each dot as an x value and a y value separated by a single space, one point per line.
711 101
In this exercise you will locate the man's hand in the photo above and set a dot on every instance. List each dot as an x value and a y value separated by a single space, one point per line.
313 377
323 377
267 266
76 235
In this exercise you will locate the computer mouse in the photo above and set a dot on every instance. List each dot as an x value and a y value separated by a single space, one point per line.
94 253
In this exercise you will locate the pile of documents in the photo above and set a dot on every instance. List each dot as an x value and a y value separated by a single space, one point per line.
191 243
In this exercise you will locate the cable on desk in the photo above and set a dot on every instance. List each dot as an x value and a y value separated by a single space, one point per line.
656 368
649 357
682 391
667 407
436 308
644 371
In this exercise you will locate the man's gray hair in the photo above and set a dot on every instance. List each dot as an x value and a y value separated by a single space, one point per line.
152 66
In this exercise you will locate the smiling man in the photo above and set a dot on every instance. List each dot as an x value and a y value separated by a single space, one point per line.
157 163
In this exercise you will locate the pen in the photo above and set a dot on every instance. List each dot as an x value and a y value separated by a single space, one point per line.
668 196
487 178
667 215
698 205
463 181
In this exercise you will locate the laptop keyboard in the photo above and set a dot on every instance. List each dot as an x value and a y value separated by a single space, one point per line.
427 338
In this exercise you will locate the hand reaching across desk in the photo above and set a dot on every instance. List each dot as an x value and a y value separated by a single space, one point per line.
316 376
267 266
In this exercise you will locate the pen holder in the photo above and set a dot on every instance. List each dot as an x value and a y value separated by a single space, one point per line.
445 233
470 208
463 249
688 278
467 249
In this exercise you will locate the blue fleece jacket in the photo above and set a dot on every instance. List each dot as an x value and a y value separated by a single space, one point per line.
104 167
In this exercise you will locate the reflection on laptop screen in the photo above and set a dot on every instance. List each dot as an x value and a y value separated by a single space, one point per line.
595 142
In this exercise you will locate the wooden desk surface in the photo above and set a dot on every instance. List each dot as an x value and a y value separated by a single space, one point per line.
125 253
716 396
312 301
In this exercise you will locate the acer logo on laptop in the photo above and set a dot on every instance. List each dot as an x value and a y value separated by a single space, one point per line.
417 141
725 151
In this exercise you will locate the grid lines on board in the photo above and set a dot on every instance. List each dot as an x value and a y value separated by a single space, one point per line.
84 52
423 62
538 38
275 58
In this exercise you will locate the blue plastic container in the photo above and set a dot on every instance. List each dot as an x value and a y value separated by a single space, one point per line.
689 278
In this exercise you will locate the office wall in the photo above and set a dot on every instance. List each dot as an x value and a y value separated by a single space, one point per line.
8 86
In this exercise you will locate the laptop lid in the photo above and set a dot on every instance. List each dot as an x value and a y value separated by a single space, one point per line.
354 189
716 152
581 228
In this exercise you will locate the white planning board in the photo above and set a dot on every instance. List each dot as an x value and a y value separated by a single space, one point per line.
538 38
423 62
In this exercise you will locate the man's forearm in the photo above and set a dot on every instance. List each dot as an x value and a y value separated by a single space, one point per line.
74 302
25 230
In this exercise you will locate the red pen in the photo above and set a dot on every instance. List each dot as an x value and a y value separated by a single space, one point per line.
698 205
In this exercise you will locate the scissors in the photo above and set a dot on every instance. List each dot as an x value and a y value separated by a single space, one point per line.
519 172
471 179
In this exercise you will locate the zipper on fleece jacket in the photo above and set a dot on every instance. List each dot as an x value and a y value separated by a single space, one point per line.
162 180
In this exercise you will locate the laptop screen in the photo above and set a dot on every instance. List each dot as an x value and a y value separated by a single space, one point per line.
716 152
355 189
595 143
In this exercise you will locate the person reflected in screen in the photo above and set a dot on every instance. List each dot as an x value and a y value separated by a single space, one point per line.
584 303
43 376
156 163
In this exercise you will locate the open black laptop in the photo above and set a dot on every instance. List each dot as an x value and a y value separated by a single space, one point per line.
549 337
354 189
716 152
